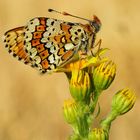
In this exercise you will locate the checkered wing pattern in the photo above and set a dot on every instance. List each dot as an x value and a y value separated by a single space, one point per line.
46 43
50 43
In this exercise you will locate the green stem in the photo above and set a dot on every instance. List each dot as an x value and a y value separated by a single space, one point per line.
106 123
94 101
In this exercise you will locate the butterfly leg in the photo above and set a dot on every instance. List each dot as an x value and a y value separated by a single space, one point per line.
98 44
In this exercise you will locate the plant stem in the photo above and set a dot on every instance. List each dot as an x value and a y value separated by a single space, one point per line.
106 123
94 101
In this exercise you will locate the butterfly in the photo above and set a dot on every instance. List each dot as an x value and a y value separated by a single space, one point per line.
47 43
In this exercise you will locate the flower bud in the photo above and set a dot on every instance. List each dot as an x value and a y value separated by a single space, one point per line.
98 134
103 75
70 110
123 101
80 87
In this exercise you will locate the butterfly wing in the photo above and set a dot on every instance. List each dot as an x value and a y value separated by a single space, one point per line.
45 43
14 42
50 43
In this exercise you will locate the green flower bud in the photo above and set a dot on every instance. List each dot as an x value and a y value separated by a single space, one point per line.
103 75
80 86
123 101
98 134
70 110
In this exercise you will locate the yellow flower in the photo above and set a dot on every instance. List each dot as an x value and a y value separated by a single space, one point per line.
98 134
103 75
70 110
80 86
123 101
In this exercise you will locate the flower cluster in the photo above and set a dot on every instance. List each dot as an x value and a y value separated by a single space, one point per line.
88 78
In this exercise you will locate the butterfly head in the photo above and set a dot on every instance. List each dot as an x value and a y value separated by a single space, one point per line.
96 24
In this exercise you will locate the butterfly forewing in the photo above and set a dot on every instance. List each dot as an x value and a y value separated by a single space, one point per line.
51 43
14 42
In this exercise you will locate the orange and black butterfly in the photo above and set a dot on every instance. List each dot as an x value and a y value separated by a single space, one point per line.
47 43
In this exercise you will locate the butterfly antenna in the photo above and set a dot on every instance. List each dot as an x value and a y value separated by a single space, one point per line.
67 14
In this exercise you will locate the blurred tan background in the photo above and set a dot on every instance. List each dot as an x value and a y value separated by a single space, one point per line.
31 104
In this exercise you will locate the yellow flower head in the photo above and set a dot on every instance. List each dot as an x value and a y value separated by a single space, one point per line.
123 101
70 110
80 86
103 75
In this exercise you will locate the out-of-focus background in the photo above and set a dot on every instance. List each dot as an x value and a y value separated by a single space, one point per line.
31 104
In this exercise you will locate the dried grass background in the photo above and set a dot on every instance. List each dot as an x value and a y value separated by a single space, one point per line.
31 104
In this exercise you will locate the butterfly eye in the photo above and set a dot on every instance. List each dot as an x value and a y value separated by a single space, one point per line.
96 23
95 26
